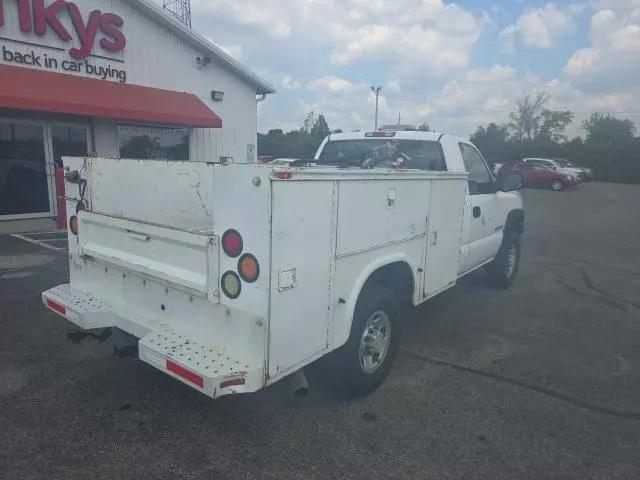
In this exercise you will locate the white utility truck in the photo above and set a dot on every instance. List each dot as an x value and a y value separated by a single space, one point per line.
232 277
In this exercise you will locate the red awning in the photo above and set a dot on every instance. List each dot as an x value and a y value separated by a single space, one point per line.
29 89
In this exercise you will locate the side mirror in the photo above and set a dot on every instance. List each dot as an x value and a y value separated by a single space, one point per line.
511 183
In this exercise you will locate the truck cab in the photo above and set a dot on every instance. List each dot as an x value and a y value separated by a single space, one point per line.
232 277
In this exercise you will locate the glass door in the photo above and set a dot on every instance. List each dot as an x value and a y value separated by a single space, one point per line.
25 183
29 151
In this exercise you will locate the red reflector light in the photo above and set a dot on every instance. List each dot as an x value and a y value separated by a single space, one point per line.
284 175
380 134
231 383
80 206
56 307
232 243
73 225
184 373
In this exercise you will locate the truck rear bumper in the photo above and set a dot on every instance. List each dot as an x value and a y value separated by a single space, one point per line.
209 369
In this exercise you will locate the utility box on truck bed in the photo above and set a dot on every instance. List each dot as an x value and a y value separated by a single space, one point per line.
232 277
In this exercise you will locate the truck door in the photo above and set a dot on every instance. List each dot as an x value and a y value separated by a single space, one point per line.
482 235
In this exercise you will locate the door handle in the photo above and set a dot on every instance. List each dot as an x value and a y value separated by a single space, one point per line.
476 212
138 236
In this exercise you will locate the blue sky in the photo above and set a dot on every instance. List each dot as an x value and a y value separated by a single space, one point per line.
452 65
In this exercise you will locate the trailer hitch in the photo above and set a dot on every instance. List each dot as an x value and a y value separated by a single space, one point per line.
101 335
126 351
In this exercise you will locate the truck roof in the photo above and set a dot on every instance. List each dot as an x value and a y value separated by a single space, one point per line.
396 134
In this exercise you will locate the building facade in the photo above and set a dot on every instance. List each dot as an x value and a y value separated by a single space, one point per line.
116 78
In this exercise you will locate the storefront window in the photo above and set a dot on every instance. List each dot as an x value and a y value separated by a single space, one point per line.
68 142
23 179
157 143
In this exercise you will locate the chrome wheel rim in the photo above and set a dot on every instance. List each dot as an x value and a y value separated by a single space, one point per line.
512 260
556 185
375 341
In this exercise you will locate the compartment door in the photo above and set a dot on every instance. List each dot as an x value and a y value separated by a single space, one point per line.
303 263
444 234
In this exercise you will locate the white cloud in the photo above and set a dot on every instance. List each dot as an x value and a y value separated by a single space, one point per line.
394 86
610 62
233 50
496 73
331 84
288 83
426 55
539 27
427 33
626 39
267 14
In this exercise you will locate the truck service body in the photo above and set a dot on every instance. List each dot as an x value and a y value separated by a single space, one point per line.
232 277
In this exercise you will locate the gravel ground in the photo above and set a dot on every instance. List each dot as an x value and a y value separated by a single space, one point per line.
539 381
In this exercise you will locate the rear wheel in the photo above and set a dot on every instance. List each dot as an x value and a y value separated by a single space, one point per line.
557 185
365 360
503 269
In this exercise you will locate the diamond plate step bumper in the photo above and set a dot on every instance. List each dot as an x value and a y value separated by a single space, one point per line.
207 368
79 307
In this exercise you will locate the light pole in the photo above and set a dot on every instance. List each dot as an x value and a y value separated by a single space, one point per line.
376 90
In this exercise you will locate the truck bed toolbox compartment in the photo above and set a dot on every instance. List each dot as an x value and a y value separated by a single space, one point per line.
181 259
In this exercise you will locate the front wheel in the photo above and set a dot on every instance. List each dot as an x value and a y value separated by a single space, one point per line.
365 360
557 185
503 269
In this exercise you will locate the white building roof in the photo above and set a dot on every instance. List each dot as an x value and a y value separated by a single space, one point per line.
157 14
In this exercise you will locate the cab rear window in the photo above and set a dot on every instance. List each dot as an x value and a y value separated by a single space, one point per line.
385 153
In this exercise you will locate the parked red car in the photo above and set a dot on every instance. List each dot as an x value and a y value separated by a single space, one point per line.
537 176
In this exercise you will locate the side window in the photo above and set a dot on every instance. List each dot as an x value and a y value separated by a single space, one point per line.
480 180
549 165
153 142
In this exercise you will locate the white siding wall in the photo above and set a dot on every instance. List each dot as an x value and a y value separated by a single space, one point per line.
155 57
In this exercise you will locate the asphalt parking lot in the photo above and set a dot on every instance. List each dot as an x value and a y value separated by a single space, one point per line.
539 381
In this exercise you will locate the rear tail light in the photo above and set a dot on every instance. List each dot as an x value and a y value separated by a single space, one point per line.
249 268
231 285
284 175
73 225
232 243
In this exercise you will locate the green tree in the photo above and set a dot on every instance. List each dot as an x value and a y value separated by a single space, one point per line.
612 148
607 131
553 124
301 143
320 128
526 119
492 142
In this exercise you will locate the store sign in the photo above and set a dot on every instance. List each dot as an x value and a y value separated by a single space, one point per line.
36 17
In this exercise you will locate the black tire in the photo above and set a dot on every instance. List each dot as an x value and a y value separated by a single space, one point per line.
351 376
557 185
503 269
